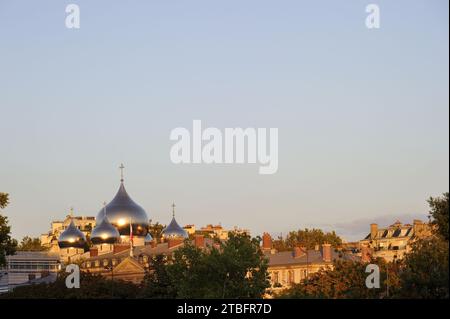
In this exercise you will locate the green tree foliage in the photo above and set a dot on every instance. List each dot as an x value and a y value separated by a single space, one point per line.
91 286
308 238
439 212
157 283
31 244
3 200
425 272
7 244
235 269
345 280
156 230
426 269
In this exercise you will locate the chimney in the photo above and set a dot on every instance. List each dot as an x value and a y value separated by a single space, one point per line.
199 241
373 230
299 251
365 253
316 247
117 248
266 242
172 242
93 252
418 226
326 252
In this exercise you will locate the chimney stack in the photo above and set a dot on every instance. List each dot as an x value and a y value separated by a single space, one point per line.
266 242
418 226
199 241
373 230
326 252
365 253
299 251
93 252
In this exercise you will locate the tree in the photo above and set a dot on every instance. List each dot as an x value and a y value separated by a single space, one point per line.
31 244
155 230
345 280
439 212
4 201
7 244
425 273
232 269
157 283
308 238
91 286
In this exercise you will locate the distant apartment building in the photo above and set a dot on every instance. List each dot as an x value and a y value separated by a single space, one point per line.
190 229
291 267
217 231
394 241
27 267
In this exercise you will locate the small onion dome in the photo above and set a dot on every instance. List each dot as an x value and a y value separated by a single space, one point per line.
105 233
173 230
148 238
72 237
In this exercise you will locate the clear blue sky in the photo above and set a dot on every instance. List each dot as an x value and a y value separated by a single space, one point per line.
362 114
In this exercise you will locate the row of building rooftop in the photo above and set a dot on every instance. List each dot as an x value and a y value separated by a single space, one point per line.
118 241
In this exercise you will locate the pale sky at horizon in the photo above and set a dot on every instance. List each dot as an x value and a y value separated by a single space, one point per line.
362 114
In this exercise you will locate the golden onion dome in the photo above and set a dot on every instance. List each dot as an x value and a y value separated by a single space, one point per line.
72 237
105 233
122 210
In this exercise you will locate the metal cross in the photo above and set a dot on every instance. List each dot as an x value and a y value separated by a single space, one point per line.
121 167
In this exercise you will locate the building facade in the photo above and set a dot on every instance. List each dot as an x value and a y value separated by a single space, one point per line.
394 241
26 267
291 267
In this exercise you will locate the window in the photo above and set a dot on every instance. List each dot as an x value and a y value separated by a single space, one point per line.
305 274
290 276
276 277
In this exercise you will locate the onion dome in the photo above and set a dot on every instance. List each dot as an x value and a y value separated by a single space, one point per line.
105 233
122 211
148 238
173 230
72 237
